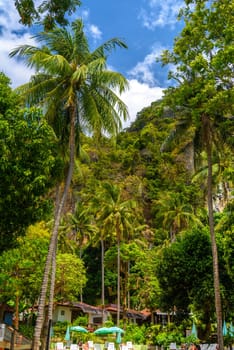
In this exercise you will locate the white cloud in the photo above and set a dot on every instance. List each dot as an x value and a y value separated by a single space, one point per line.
12 35
84 15
160 13
144 71
95 32
138 96
9 17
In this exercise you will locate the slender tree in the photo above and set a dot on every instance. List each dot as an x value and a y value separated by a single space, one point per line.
203 57
116 216
70 76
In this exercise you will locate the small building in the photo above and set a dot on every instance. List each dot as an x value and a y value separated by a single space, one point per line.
70 311
133 316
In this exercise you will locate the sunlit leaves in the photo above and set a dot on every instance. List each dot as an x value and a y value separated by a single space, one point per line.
49 12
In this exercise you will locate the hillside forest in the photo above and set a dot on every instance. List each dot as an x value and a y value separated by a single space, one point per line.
141 217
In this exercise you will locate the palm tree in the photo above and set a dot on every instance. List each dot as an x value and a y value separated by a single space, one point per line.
116 217
210 141
205 76
81 229
81 226
101 236
72 78
174 212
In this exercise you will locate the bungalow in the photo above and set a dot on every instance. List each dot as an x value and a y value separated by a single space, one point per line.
132 315
70 311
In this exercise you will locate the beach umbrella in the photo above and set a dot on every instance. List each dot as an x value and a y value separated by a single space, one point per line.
118 332
78 329
67 335
108 330
225 332
194 330
115 329
103 331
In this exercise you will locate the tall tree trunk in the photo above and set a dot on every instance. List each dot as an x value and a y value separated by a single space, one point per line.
49 321
81 288
118 280
218 307
103 279
51 300
53 241
16 320
125 291
128 302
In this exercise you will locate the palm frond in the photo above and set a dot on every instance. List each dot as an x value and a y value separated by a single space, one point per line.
56 65
80 74
80 43
108 46
59 40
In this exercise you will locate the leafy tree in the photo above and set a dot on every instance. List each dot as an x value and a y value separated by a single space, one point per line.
29 166
143 280
49 12
203 57
21 270
225 229
70 277
184 271
71 77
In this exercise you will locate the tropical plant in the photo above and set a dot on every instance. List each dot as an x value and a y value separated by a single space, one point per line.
175 212
29 166
115 217
204 72
71 77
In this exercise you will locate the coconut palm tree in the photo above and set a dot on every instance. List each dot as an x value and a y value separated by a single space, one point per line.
174 212
116 216
204 73
71 78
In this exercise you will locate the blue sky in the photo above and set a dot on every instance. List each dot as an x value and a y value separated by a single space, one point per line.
146 26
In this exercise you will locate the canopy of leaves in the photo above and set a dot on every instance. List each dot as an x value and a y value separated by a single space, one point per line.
22 269
47 12
28 166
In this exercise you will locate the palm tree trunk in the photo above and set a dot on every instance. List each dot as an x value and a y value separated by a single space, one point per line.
218 306
103 279
53 241
52 283
128 302
125 291
118 280
51 300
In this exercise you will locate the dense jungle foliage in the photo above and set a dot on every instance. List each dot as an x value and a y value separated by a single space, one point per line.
147 213
165 252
